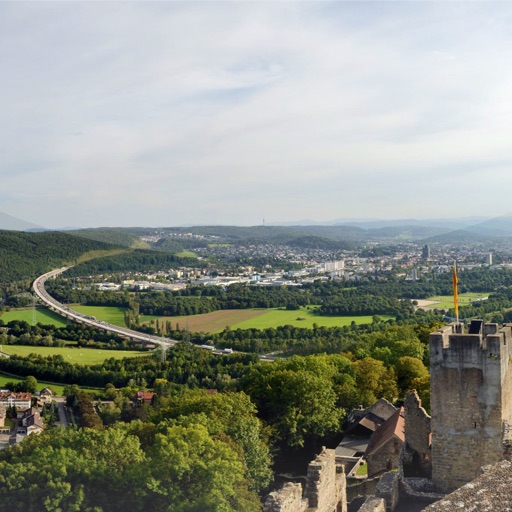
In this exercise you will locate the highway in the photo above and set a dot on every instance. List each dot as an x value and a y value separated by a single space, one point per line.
64 311
75 316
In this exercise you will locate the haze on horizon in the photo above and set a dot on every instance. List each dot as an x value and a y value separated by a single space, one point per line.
176 113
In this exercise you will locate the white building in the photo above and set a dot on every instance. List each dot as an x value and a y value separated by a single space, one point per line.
21 401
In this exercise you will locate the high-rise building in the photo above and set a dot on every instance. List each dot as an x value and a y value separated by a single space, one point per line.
426 252
489 259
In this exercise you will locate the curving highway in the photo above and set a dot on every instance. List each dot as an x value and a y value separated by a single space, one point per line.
64 311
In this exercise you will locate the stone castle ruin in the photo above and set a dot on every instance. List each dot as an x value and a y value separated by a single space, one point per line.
470 427
471 400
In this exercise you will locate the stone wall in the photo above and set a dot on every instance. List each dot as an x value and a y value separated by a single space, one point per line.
385 458
416 454
325 486
366 487
287 499
325 489
388 489
373 504
468 374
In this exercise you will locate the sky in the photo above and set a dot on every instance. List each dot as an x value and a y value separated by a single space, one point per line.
183 113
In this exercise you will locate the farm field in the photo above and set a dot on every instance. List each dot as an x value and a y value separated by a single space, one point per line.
262 319
213 322
446 301
43 316
77 355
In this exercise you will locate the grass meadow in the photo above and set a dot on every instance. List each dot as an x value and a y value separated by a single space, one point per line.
446 301
112 315
43 316
86 356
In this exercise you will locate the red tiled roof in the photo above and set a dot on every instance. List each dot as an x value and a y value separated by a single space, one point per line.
394 426
16 396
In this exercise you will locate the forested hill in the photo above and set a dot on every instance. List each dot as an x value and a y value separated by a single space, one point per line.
137 260
117 236
24 256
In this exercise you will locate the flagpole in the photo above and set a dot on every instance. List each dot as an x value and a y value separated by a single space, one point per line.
455 291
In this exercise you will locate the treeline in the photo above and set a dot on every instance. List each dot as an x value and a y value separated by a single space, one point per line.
190 301
184 364
19 332
354 303
187 364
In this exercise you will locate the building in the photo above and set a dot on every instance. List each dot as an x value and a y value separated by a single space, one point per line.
143 397
425 253
21 401
29 422
383 452
46 396
471 400
489 259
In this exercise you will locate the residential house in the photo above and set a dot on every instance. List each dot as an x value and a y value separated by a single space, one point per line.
143 397
29 422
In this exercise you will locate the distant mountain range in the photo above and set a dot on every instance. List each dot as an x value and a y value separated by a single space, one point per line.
11 223
443 230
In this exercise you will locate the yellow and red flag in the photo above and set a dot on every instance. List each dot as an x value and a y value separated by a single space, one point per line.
455 291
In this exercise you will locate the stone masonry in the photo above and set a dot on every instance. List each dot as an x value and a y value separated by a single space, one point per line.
287 499
416 454
325 489
471 400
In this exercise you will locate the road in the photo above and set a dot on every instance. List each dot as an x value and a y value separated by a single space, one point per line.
64 311
75 316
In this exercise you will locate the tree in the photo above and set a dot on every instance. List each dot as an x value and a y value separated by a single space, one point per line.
374 381
30 384
231 414
188 470
298 403
407 370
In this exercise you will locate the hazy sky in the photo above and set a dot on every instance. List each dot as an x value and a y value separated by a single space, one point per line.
169 113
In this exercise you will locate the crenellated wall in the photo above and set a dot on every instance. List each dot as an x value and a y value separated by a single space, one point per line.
470 400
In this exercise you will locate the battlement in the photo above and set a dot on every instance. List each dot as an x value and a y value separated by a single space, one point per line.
482 345
471 398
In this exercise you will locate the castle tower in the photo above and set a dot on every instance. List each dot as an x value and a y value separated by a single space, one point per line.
471 400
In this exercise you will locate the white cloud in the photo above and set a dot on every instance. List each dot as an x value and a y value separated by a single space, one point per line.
160 113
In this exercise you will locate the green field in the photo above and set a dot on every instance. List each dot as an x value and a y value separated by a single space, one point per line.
262 319
215 321
4 379
71 354
446 301
302 318
186 254
43 316
112 315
